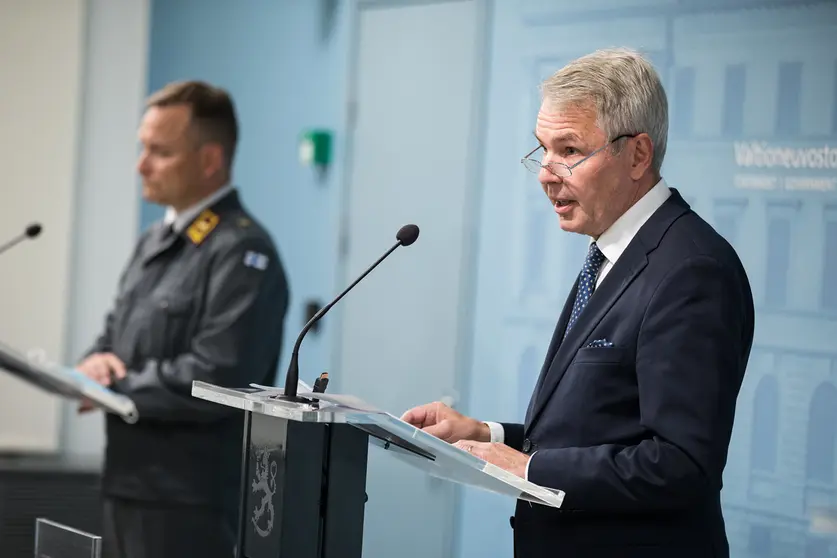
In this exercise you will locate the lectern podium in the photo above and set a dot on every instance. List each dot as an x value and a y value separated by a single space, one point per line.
304 469
54 482
67 383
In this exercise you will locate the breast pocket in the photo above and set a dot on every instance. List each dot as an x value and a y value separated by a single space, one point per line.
602 355
173 324
602 374
600 393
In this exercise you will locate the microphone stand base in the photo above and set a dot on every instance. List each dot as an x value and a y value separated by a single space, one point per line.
294 399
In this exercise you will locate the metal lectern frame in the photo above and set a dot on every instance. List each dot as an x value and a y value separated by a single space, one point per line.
304 465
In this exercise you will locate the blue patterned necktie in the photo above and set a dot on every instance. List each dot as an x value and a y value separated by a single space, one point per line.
586 283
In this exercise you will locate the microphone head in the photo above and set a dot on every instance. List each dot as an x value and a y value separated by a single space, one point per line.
407 234
33 230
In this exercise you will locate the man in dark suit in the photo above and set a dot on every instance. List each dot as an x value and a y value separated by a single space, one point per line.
633 410
203 297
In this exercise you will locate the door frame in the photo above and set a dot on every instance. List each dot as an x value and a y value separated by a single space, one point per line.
471 218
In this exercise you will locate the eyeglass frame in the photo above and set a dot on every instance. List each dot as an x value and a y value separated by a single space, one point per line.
548 166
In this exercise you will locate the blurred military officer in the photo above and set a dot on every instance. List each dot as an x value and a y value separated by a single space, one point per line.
203 297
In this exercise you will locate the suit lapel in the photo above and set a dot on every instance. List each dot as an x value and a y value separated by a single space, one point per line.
557 335
632 261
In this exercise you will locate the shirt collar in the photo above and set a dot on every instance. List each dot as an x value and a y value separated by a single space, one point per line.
180 220
615 240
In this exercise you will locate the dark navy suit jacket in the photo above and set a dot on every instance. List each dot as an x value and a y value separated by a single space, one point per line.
637 433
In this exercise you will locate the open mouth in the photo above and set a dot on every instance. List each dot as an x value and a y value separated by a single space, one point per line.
563 206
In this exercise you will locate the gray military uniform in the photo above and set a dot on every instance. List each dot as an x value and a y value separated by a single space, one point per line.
206 303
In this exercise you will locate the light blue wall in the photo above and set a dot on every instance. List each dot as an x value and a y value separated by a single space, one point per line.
754 76
284 63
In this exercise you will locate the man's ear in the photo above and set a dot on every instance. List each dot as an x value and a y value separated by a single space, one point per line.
212 159
642 155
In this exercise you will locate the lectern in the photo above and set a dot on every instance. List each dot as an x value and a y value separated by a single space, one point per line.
66 382
53 484
304 469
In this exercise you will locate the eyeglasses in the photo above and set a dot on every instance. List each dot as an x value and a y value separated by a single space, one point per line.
560 169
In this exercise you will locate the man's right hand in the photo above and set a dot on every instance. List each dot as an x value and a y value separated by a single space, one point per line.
443 422
99 366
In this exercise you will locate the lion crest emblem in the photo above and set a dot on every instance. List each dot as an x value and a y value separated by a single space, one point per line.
265 483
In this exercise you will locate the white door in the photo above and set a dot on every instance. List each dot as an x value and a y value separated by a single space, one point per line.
416 93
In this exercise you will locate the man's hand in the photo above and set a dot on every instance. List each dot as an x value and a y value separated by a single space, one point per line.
99 366
443 422
500 455
85 406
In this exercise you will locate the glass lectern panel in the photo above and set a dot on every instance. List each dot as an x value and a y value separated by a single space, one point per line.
54 540
448 462
404 442
66 382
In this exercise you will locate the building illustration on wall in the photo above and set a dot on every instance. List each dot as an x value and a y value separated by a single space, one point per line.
753 147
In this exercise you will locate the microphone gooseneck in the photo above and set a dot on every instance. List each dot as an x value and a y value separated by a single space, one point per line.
31 231
406 236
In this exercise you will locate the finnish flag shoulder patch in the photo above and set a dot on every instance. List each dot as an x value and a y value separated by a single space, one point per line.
255 260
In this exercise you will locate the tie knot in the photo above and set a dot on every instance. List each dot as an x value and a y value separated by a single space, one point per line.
594 260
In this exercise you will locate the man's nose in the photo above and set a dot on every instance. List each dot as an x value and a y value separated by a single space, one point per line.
546 176
552 187
142 165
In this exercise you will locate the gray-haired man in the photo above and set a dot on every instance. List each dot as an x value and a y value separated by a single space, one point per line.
633 410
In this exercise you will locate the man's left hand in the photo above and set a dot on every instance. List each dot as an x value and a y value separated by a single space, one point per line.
85 406
497 454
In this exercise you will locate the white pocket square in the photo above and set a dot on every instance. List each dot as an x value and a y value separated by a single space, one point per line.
598 343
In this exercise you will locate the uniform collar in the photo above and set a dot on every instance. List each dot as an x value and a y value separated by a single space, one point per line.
180 220
615 240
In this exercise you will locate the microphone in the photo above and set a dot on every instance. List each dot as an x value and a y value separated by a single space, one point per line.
31 231
406 235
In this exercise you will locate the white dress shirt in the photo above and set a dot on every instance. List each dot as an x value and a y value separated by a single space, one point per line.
183 218
612 244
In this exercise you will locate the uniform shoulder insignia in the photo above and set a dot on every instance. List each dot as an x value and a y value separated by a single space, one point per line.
244 222
202 226
256 260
